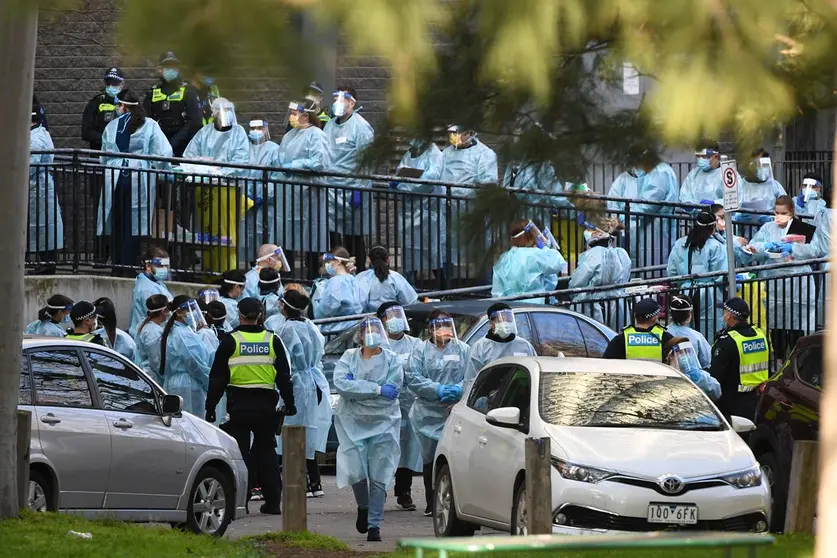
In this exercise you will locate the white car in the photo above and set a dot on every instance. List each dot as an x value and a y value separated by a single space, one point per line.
636 446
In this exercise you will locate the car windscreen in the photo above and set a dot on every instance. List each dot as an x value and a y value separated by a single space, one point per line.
625 401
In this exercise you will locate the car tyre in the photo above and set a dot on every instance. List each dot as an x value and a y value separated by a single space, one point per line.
519 513
41 496
211 503
445 521
778 490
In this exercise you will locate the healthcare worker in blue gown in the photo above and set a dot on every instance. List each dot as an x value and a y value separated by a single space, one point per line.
368 423
185 359
349 211
424 226
53 319
117 339
435 372
380 284
541 186
269 292
602 264
263 153
339 295
680 311
650 236
529 266
465 161
156 265
819 247
395 323
811 198
304 147
222 141
150 334
127 200
704 185
268 256
501 341
701 252
758 190
304 345
46 225
231 289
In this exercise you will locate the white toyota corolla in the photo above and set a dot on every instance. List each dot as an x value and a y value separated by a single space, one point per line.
636 446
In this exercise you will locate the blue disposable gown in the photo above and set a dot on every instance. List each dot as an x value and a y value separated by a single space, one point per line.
812 208
252 236
46 225
428 367
304 225
345 142
424 228
231 304
527 270
650 236
271 304
251 283
793 300
375 292
47 328
188 362
305 346
231 147
149 139
274 322
737 247
485 351
597 267
820 247
368 425
702 185
145 286
148 350
209 337
758 196
339 296
475 165
712 257
123 344
410 444
699 342
542 185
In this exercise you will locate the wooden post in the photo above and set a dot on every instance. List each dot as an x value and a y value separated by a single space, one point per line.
538 486
802 491
24 437
294 501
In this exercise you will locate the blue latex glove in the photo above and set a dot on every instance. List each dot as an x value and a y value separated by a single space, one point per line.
389 391
787 248
800 200
440 391
452 392
707 202
772 246
258 201
356 199
350 377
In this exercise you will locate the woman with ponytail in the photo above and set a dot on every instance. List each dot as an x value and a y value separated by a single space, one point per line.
116 339
380 284
149 335
269 285
53 319
232 289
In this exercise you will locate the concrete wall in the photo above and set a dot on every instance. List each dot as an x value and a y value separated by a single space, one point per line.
89 287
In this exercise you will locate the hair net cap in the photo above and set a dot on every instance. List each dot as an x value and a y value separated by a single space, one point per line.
738 307
82 310
680 302
646 308
250 308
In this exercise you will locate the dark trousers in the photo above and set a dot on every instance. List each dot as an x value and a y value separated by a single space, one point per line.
403 481
312 469
427 473
126 245
262 465
354 243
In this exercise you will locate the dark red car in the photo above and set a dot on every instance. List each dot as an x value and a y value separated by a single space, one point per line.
788 410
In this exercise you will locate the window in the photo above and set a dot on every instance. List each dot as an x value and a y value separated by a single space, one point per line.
59 379
520 319
559 333
518 393
595 339
487 391
809 366
24 394
121 387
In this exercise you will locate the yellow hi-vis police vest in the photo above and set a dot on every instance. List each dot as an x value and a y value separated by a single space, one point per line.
753 357
81 336
251 365
157 95
644 345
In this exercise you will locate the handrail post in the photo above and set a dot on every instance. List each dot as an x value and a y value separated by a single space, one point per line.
74 219
446 272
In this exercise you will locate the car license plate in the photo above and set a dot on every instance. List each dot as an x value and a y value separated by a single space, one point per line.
681 514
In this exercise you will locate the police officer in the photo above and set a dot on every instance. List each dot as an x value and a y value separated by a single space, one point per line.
250 364
101 109
85 322
174 104
207 93
645 340
740 358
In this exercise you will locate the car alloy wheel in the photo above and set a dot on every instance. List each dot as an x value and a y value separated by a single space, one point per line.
521 517
210 506
37 497
442 510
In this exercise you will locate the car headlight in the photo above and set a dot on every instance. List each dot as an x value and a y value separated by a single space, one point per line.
744 479
580 473
335 399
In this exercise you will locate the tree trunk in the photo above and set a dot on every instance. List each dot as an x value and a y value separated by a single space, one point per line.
826 505
18 37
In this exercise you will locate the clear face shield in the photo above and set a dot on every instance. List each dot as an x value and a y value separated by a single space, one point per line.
209 295
160 268
259 132
811 189
683 357
341 103
459 136
331 263
277 256
442 330
504 324
372 334
540 239
764 169
395 320
192 315
223 112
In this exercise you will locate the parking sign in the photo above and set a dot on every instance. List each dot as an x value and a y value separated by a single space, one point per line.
729 176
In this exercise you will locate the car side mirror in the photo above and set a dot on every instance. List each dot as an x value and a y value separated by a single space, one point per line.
742 425
172 405
504 417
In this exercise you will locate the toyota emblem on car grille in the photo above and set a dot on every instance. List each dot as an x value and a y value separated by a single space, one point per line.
671 484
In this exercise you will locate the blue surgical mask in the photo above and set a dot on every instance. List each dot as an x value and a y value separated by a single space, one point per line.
330 269
762 174
813 195
372 340
256 136
171 74
113 90
704 164
66 320
338 108
394 326
161 273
